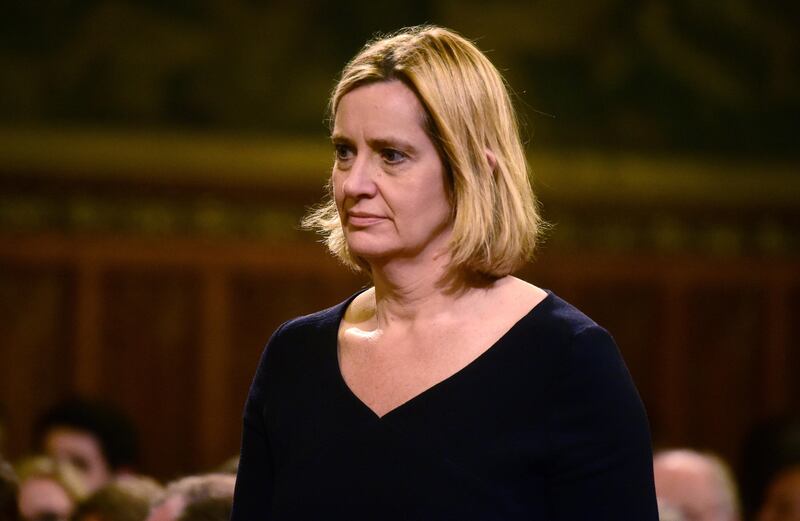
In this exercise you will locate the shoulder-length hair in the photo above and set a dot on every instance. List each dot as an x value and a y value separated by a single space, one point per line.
470 118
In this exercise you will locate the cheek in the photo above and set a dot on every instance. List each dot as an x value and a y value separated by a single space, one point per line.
38 495
336 189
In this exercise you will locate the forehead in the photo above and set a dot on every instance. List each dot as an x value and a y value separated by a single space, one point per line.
64 439
377 105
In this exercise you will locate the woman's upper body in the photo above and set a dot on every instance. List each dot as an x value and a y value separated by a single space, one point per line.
430 196
545 425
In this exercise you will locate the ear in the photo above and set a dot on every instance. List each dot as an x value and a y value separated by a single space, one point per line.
492 160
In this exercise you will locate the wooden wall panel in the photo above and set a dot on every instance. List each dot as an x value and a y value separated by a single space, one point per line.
725 338
36 330
151 336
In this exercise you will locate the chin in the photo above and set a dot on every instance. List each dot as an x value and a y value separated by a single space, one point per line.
370 250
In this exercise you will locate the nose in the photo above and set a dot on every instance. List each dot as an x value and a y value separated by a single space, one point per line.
358 181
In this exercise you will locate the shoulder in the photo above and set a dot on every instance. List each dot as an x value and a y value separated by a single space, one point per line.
576 343
294 341
307 330
590 385
597 424
578 359
557 325
312 324
561 316
292 350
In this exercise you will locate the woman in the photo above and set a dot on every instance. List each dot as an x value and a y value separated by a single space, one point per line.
449 389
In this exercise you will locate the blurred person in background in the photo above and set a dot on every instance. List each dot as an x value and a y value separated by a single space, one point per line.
669 513
211 509
95 438
126 498
770 471
187 491
9 490
450 388
48 490
698 485
782 498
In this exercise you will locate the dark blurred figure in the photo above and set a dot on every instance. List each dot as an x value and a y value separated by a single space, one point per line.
48 490
127 498
696 486
782 498
183 493
96 438
212 509
9 488
771 471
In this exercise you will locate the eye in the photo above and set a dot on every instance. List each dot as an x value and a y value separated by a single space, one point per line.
80 464
392 156
342 152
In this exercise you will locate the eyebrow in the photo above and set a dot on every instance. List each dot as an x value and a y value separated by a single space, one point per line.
339 138
378 143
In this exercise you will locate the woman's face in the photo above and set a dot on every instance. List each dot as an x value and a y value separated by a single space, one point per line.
389 181
42 499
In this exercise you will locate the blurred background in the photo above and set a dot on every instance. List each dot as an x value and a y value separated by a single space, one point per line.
156 157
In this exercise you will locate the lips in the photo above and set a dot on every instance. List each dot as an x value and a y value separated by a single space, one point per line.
363 219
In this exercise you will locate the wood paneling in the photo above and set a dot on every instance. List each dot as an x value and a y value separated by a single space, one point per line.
36 342
725 334
151 330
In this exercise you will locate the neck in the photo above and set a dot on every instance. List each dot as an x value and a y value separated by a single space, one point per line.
409 291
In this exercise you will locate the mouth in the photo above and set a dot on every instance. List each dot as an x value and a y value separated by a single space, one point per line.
362 219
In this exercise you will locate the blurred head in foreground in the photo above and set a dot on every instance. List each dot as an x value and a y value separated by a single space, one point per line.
48 490
698 485
185 492
127 498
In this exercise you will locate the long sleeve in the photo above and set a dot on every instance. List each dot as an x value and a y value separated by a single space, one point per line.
252 498
601 466
254 480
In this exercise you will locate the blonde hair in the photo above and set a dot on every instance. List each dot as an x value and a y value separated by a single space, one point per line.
44 467
468 115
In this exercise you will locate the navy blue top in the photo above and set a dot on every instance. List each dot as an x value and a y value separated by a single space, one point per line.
544 425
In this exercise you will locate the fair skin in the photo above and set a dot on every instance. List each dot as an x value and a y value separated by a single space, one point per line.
420 323
43 496
81 450
689 483
169 510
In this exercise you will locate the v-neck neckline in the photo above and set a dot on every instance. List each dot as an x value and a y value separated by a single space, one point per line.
432 389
